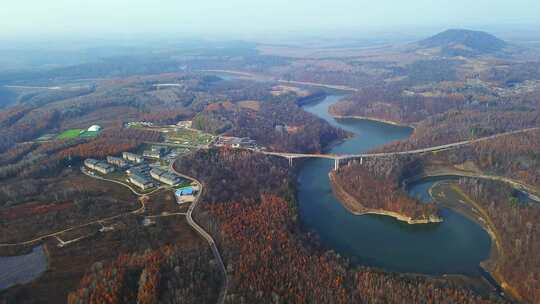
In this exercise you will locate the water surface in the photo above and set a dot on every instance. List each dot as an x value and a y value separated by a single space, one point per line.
457 245
22 269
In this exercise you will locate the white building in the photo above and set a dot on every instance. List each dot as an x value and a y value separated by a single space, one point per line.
133 157
94 128
140 181
165 177
98 166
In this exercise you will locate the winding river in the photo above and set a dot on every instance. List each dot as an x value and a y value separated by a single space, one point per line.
455 246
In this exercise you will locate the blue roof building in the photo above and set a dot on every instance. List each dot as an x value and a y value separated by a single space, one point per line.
184 191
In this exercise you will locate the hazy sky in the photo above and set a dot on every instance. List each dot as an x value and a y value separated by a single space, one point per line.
20 18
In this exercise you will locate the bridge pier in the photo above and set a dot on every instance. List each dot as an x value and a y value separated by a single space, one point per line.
290 161
336 164
361 160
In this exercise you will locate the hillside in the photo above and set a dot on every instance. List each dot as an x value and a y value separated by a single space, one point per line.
457 42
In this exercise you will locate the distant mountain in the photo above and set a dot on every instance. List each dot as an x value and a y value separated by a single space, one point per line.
457 42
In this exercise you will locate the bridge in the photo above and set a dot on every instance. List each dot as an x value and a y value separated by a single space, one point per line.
338 158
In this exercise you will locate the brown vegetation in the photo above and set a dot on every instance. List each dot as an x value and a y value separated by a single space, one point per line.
516 223
270 264
375 188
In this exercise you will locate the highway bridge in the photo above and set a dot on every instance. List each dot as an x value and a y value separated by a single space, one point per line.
338 158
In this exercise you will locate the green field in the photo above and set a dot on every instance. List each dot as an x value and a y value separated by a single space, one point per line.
89 134
76 133
70 134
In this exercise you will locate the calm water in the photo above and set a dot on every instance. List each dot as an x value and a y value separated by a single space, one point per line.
455 246
22 269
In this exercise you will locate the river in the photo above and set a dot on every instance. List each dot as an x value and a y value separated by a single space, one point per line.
455 246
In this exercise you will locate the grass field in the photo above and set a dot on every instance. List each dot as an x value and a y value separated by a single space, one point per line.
70 134
89 134
76 133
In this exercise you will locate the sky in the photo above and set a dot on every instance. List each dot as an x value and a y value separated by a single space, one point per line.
39 18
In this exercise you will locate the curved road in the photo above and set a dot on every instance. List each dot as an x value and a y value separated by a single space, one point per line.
140 209
203 233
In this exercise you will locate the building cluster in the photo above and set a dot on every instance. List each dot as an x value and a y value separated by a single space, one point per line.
139 173
98 166
165 177
156 152
138 123
235 142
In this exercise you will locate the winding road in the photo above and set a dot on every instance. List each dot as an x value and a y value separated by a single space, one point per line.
203 233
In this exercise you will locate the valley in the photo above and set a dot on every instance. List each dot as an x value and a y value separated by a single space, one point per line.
245 173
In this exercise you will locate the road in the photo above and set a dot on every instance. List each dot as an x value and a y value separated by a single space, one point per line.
387 154
121 183
530 191
204 234
140 209
55 234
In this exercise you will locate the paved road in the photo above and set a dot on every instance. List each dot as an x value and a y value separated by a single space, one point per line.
83 170
204 234
387 154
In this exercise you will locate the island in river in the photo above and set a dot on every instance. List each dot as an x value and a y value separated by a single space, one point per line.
455 246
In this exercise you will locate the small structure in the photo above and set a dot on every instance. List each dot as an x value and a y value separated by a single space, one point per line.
117 161
148 222
95 128
140 181
185 191
136 158
185 195
184 124
98 166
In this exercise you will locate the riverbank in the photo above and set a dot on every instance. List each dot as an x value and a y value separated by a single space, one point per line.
443 192
356 208
431 172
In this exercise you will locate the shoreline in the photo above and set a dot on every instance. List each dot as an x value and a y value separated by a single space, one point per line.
452 172
356 208
477 214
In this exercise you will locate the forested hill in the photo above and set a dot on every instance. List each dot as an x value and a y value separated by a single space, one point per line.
464 42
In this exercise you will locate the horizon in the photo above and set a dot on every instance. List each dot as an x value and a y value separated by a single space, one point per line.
240 19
